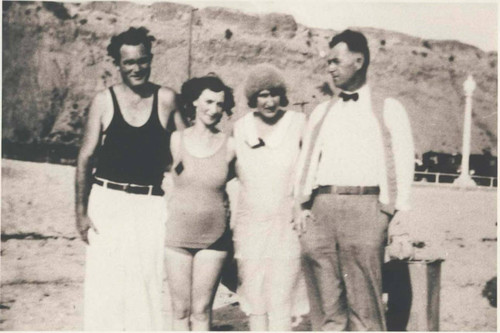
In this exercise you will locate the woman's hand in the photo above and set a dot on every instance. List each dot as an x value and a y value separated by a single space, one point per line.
167 184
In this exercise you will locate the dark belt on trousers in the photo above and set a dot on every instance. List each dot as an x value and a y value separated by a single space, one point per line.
130 188
354 190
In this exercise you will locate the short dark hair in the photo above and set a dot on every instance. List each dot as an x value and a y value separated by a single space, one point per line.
356 42
252 101
133 36
192 89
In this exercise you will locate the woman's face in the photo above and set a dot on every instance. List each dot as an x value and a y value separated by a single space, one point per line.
268 103
209 107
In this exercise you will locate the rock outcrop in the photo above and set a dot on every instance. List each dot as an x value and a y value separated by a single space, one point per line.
54 61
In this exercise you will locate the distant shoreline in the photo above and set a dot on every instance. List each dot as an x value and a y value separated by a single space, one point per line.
67 154
55 153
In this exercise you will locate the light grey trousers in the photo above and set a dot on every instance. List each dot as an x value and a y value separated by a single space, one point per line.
342 257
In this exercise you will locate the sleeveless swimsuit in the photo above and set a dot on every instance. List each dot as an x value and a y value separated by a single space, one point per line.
198 213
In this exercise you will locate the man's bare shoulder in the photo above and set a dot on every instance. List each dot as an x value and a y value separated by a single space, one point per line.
101 102
166 104
101 95
166 94
166 101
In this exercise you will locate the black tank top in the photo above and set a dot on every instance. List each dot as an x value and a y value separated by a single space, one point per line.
136 155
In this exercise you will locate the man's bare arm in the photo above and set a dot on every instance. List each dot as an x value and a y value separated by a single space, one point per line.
168 105
180 122
84 168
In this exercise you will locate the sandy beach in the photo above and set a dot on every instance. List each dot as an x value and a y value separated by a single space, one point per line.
42 259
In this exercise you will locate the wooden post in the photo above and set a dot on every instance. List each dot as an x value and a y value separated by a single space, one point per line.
413 288
190 41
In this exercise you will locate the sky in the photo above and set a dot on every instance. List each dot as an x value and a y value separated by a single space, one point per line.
474 23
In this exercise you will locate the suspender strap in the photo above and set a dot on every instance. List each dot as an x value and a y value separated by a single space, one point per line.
312 142
378 104
378 107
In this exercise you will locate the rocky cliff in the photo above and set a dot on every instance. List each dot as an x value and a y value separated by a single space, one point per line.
54 61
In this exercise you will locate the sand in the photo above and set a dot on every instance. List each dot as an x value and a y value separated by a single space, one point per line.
42 260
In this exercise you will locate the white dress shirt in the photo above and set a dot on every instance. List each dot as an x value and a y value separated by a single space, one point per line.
349 150
351 146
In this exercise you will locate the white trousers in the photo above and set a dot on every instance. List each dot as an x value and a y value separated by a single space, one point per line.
124 263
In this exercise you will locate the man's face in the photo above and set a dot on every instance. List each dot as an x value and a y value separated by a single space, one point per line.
135 65
343 65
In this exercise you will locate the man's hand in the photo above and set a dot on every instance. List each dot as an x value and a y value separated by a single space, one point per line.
83 177
301 218
400 243
400 247
83 224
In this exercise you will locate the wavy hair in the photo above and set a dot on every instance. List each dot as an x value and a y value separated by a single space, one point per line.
133 36
192 89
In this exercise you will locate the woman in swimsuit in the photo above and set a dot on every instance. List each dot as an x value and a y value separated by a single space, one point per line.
197 231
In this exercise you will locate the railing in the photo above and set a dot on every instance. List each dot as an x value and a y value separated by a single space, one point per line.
443 177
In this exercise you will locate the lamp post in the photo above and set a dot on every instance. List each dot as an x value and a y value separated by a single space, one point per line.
464 180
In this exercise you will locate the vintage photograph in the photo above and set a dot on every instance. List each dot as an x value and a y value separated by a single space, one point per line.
249 166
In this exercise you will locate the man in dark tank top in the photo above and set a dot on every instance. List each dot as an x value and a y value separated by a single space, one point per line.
120 211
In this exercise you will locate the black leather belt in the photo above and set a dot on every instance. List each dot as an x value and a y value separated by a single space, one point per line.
334 189
130 188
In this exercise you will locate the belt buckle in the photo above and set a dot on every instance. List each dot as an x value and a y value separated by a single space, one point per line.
128 188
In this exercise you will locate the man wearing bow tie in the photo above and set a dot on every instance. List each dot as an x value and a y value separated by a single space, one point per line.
354 177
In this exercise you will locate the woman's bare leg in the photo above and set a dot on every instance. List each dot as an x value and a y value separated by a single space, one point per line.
207 266
179 264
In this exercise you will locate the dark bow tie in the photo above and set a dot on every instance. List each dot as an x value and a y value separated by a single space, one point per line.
260 144
347 97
